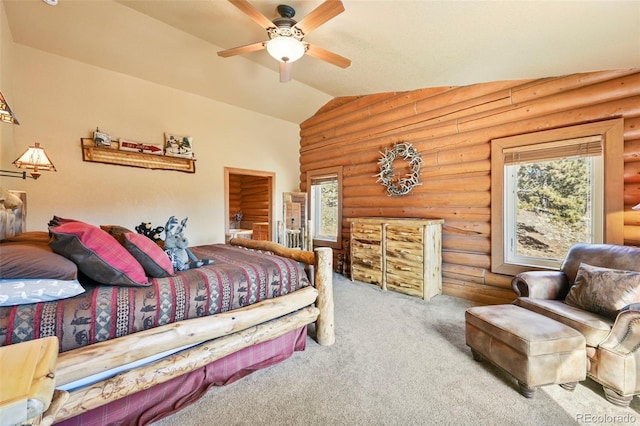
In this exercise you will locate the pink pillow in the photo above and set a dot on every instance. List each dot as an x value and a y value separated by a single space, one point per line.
153 259
97 254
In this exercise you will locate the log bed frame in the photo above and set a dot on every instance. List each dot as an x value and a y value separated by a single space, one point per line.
215 336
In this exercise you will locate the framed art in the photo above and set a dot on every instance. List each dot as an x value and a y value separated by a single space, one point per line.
178 146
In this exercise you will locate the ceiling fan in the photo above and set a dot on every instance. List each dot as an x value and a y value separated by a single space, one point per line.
286 36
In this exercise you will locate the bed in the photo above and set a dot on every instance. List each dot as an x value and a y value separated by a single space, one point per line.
132 354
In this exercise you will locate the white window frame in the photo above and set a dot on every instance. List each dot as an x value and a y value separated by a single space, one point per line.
510 215
612 135
314 207
315 194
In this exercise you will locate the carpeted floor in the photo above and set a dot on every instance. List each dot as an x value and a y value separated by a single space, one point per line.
398 360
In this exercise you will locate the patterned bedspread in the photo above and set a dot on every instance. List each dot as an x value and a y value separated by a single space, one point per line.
237 278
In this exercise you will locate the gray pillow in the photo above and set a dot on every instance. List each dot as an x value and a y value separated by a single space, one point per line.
25 260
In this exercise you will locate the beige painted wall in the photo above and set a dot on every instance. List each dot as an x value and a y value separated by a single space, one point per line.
59 101
6 130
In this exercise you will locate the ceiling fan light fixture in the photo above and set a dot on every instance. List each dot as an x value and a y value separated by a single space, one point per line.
285 49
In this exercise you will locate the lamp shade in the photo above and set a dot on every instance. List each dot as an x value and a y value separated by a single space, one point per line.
285 49
35 158
637 207
6 114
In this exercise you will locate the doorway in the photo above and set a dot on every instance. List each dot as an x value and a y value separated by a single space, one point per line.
248 203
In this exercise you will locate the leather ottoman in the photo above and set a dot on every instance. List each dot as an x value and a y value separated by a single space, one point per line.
534 349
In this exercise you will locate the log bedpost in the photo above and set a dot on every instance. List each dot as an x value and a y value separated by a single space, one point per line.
321 259
325 326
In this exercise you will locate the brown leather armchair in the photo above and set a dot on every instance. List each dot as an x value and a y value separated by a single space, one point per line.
613 344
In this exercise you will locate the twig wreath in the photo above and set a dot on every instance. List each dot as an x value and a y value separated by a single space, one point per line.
399 185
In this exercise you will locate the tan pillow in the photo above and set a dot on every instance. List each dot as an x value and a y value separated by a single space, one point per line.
604 291
30 237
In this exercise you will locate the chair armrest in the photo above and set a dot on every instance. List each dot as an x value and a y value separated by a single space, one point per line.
624 338
541 284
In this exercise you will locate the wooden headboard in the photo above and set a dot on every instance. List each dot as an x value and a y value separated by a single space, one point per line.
13 213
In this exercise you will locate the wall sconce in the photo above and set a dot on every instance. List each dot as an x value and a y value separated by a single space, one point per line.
34 158
636 207
6 114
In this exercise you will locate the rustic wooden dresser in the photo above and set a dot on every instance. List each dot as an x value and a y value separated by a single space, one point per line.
403 255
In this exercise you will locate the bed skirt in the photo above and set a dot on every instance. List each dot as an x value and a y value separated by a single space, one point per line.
166 398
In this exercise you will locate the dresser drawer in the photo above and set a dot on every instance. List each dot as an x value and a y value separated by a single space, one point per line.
404 284
411 252
369 258
366 255
408 234
366 231
366 273
366 248
400 267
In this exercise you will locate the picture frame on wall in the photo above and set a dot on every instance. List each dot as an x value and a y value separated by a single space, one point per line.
178 146
101 139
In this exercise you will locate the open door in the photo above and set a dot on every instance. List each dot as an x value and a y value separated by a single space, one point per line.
248 203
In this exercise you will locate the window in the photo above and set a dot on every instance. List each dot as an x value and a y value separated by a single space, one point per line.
552 200
325 206
549 191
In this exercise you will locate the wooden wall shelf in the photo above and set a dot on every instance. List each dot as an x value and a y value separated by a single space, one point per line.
134 159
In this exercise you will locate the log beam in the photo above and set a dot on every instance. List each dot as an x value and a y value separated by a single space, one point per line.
97 358
306 257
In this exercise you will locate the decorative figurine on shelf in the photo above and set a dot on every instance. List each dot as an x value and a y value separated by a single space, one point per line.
176 246
101 139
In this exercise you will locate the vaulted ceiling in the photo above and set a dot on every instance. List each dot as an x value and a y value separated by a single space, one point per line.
394 45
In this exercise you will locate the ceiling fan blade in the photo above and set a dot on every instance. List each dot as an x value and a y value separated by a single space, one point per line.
253 13
242 49
285 71
321 14
327 56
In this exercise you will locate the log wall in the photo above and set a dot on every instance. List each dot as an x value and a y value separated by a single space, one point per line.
251 195
452 128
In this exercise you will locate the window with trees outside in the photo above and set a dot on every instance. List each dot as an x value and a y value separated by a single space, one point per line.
325 206
553 192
